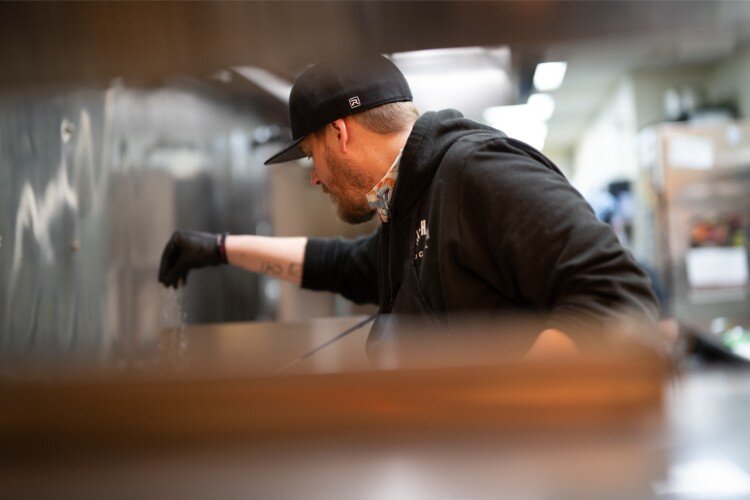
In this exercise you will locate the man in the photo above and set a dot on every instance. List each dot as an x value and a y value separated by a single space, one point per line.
471 219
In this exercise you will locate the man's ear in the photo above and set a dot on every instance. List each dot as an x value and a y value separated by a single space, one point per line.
342 134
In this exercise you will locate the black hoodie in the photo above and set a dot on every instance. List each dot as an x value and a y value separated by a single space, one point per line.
480 221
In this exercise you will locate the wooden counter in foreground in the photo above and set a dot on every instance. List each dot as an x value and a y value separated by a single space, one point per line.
212 397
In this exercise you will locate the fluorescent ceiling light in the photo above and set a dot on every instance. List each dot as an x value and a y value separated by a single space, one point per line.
518 122
418 55
468 78
549 75
541 105
277 87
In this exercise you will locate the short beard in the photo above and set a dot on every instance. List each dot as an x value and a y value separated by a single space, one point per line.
354 215
349 210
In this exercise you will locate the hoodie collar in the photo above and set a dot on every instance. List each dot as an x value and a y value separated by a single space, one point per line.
431 137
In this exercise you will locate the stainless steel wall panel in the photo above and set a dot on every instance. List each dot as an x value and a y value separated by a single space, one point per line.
92 183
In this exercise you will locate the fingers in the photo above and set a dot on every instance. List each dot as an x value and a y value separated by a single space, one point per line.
166 258
168 269
163 265
184 251
177 276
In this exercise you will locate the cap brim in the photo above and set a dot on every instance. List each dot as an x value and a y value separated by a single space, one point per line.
288 153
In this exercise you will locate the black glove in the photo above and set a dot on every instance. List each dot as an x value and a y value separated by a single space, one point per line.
188 250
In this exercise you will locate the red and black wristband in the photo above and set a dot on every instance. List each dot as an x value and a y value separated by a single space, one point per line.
221 240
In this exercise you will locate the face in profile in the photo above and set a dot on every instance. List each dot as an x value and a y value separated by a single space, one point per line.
340 178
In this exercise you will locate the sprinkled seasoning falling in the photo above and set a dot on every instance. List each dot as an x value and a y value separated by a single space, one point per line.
173 346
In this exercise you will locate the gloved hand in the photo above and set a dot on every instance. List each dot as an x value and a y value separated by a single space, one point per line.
188 250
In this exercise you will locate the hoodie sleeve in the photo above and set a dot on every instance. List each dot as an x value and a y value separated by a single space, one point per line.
521 222
345 266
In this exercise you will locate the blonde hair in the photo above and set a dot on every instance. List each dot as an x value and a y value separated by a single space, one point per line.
386 119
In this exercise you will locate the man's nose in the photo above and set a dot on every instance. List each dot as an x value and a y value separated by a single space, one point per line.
314 179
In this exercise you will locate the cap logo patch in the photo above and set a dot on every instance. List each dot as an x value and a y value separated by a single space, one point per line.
354 102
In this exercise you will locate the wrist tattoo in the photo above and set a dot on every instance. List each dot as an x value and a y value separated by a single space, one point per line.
292 270
295 270
272 268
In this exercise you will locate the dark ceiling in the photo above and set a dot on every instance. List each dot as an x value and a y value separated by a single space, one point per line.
61 42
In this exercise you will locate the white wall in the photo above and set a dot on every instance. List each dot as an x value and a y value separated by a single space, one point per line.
731 81
607 149
649 87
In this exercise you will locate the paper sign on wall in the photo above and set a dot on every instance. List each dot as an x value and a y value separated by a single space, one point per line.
717 267
694 153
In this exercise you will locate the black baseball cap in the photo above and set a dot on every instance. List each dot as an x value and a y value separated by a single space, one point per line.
333 89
